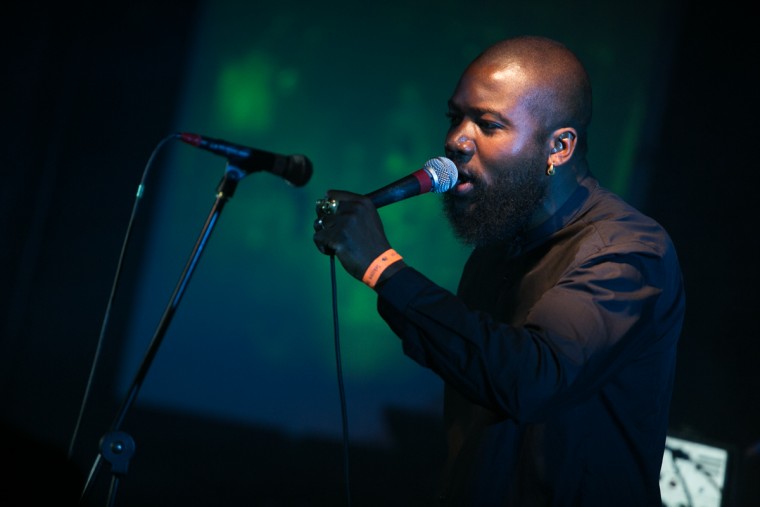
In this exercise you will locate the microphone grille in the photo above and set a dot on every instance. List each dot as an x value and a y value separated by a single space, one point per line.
444 173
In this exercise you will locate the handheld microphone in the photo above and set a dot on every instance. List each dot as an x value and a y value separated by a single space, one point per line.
437 175
295 169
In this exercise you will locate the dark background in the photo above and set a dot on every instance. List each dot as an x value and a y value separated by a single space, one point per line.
78 85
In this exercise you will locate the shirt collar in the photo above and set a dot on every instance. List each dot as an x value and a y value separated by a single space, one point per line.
565 214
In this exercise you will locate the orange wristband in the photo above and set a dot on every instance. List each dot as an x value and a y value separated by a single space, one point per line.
385 259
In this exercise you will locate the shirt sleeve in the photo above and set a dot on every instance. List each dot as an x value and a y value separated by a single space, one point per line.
600 316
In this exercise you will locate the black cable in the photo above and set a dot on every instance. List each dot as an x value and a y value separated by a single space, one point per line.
340 381
114 286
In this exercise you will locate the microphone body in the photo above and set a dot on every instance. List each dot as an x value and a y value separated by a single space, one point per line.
437 175
295 169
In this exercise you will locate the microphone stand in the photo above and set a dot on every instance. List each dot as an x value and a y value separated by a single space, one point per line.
116 446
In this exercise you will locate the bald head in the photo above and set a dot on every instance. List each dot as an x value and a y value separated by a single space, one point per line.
556 85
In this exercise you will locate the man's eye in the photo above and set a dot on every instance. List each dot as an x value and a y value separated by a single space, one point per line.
489 125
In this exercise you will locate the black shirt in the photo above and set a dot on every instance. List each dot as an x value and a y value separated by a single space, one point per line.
558 358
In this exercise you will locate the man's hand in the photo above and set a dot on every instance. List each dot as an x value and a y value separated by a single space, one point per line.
349 226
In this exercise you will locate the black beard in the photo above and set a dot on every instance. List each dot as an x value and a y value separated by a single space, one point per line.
499 212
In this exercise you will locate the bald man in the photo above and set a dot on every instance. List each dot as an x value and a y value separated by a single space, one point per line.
558 350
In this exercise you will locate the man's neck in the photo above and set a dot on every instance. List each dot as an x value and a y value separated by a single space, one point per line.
561 187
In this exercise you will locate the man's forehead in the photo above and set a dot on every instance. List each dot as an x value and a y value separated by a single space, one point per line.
510 80
509 72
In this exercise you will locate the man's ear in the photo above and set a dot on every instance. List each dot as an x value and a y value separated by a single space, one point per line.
563 146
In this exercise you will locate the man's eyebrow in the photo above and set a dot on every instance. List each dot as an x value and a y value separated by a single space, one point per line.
479 111
493 112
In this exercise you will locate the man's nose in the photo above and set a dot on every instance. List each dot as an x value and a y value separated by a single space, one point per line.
459 147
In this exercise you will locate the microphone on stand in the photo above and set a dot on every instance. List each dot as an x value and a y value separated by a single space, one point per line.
295 169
